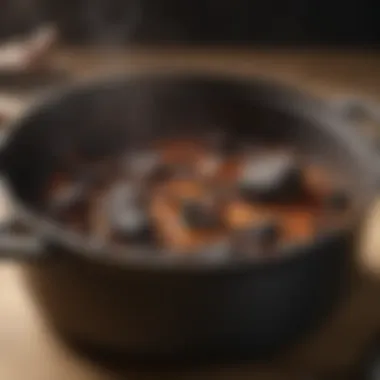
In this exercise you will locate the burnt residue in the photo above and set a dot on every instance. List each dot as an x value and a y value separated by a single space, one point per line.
277 178
337 201
201 215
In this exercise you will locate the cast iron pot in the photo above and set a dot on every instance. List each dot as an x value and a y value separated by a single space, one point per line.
147 304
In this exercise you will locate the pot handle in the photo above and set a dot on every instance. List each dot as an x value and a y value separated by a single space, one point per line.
363 114
15 241
20 246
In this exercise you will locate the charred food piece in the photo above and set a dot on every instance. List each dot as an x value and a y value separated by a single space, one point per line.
200 214
133 224
337 201
149 166
222 143
66 196
143 164
127 215
258 236
163 172
272 178
95 174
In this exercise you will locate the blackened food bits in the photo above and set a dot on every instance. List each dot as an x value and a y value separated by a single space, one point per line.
337 201
226 202
127 214
66 196
133 224
200 214
272 178
143 164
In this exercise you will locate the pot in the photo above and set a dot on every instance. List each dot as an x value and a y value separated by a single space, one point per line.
145 305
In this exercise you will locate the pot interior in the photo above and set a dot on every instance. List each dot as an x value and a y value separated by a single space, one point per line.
115 115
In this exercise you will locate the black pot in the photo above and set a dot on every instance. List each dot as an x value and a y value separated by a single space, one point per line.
144 304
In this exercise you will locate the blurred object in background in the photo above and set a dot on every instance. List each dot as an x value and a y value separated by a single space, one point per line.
25 38
27 53
19 17
10 107
274 22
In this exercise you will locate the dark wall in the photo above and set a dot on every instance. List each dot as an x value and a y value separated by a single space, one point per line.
201 21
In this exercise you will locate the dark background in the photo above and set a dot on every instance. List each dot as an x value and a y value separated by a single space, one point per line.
273 22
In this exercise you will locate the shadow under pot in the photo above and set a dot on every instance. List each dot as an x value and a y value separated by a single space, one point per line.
137 302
